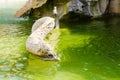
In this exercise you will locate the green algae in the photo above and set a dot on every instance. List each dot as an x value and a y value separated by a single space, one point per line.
88 51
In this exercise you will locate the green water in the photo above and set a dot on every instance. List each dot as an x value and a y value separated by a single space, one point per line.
88 51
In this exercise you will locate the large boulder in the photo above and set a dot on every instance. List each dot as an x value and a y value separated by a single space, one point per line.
36 44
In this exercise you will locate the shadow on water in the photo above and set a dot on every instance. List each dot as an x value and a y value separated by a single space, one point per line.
92 49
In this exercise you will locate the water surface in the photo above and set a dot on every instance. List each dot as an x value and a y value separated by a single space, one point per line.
89 50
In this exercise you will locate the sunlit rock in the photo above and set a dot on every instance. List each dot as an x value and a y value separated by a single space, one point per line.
36 43
29 5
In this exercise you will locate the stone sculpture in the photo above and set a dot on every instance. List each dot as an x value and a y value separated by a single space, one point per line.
36 44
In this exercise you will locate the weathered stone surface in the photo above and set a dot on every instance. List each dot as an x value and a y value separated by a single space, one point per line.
76 6
47 9
95 8
30 4
36 43
115 6
103 4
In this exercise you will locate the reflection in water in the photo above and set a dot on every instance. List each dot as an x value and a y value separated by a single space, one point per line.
88 51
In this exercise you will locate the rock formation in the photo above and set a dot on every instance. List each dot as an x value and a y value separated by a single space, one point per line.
30 4
114 7
40 8
76 6
36 43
